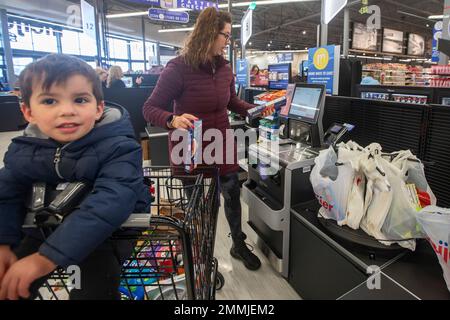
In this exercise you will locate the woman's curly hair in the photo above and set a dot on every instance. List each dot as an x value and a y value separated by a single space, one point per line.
200 42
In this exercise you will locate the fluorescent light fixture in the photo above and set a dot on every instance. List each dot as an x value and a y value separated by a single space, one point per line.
128 14
436 17
187 29
261 3
179 10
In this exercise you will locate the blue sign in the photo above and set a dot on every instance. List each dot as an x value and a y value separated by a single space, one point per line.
170 16
197 5
437 33
242 72
323 67
279 75
285 57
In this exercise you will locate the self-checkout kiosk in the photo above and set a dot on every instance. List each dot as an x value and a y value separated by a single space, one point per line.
278 175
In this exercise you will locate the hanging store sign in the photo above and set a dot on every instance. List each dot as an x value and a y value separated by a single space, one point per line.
246 27
169 16
196 5
437 34
331 8
323 67
88 16
285 57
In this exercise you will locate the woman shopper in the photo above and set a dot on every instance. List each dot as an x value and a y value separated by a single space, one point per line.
200 82
115 75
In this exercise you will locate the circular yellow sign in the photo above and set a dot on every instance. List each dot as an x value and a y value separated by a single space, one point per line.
321 58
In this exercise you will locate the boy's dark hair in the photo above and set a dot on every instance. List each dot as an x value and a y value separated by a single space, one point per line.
56 69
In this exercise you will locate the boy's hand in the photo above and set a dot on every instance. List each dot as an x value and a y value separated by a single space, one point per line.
7 258
17 281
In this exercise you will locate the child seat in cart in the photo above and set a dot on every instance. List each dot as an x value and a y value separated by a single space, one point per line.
173 246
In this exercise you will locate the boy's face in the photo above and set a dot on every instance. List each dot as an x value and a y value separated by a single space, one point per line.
65 113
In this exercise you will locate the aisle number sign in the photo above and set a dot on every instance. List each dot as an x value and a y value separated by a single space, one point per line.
246 27
324 67
88 16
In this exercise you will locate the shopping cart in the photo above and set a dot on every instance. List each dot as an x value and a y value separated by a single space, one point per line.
173 255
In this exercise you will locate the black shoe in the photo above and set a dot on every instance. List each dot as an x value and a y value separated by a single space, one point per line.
241 252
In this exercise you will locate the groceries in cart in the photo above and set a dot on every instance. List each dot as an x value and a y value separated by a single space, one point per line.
381 193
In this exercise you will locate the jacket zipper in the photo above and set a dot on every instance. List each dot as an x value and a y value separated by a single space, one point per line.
57 159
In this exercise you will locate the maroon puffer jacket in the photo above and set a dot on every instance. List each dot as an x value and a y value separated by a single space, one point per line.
203 93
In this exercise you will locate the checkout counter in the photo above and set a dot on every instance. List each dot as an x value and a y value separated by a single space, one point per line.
320 259
278 173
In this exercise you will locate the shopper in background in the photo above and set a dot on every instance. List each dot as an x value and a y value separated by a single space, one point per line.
102 75
72 136
115 78
201 84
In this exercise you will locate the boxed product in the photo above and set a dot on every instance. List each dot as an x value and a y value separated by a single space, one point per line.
194 147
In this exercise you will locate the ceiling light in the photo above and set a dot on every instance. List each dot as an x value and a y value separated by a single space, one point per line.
428 25
128 14
249 43
268 44
304 32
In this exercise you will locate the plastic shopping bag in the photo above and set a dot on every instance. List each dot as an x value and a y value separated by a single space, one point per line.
332 194
378 197
400 223
352 153
435 222
338 185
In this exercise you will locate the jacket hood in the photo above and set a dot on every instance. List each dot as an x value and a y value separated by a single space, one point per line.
114 122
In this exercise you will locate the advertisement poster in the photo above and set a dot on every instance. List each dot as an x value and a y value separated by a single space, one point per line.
242 72
279 76
363 38
416 45
437 34
392 41
323 67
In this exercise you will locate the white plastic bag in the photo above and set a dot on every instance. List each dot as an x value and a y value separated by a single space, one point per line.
378 197
352 153
332 194
338 184
435 222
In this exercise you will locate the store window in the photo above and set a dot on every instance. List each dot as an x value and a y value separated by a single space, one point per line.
137 50
20 36
165 59
44 39
20 64
137 66
70 42
122 64
88 45
117 48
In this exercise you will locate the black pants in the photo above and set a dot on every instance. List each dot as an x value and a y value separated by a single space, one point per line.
231 192
100 271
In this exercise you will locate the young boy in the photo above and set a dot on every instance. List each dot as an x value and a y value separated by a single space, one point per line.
71 136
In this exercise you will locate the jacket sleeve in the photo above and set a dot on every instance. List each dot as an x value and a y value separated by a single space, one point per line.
13 190
168 88
237 105
113 198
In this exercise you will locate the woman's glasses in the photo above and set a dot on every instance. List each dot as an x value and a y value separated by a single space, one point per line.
226 35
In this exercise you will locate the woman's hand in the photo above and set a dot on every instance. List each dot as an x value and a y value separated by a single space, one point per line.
139 80
183 122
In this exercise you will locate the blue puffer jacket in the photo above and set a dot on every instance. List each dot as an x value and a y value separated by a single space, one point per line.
108 157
